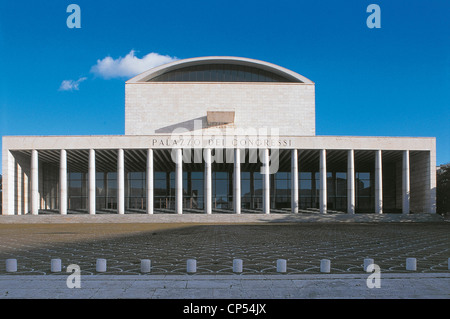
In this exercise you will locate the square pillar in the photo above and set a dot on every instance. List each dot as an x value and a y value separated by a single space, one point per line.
63 182
91 205
323 182
208 181
350 182
406 193
178 181
266 181
120 182
149 181
378 183
34 182
294 181
237 181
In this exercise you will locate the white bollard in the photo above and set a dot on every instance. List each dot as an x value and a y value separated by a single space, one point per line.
101 265
237 265
11 265
191 265
325 265
367 262
281 265
411 264
146 265
55 265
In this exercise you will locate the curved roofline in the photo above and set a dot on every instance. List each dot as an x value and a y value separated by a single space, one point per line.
149 74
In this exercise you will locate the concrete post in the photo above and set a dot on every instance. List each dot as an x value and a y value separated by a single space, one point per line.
149 181
405 183
351 182
378 183
294 181
323 182
178 181
34 182
325 265
63 183
91 207
55 265
281 265
100 265
237 181
146 265
367 262
120 182
208 181
11 265
191 265
266 181
237 265
411 264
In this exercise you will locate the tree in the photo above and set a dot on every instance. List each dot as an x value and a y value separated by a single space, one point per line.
443 190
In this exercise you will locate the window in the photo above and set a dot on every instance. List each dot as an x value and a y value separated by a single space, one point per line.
136 195
306 190
281 189
77 194
220 187
219 73
364 192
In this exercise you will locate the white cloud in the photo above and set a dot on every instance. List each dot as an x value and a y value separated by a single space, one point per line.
128 66
70 85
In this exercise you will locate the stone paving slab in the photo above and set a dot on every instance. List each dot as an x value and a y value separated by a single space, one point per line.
349 286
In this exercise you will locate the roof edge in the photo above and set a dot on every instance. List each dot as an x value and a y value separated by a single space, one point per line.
153 72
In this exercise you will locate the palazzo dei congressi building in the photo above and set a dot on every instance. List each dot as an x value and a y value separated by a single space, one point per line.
218 135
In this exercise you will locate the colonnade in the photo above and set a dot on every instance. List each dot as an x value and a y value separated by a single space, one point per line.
63 188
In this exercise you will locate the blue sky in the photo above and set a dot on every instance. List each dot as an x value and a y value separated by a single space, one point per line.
392 81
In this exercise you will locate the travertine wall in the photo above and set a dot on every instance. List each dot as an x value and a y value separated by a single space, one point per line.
153 108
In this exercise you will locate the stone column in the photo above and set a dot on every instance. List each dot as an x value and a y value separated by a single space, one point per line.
323 182
178 181
237 181
120 182
149 181
34 182
63 182
294 181
378 183
208 181
91 206
266 181
350 182
405 183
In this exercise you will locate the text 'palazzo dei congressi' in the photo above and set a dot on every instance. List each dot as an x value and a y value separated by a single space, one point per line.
218 135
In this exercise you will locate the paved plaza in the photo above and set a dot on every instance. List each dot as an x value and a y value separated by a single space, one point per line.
214 244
